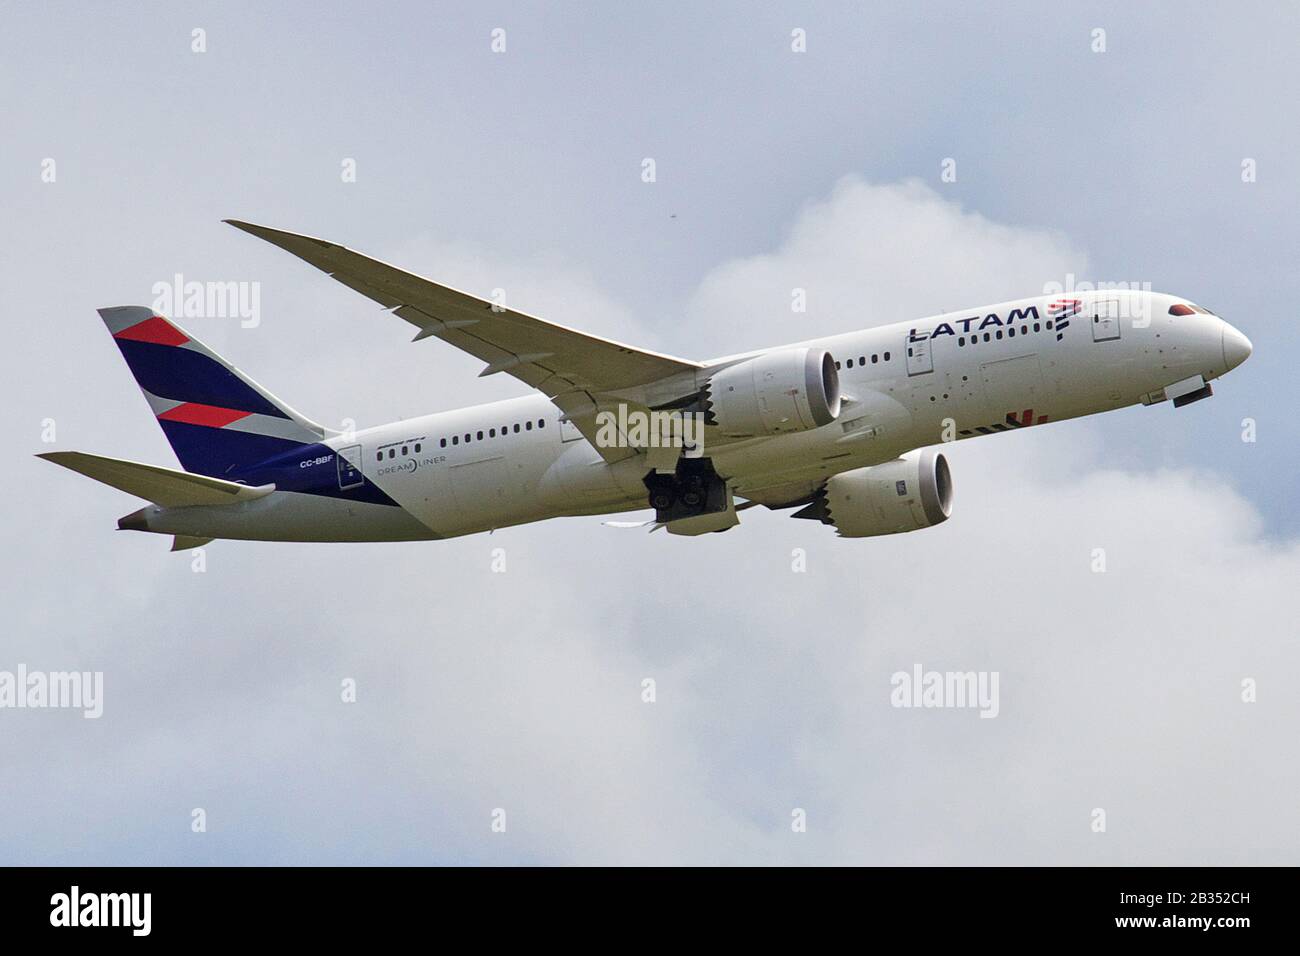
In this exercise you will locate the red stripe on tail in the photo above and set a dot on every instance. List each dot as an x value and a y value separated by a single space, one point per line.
1027 417
192 413
156 330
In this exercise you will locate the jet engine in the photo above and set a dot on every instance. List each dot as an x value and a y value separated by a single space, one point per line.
906 494
789 390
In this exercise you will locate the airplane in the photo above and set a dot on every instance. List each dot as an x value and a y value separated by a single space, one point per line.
843 429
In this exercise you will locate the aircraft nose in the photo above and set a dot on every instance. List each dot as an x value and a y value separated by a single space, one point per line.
1236 347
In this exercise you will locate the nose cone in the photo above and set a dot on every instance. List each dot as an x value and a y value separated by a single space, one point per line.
1236 347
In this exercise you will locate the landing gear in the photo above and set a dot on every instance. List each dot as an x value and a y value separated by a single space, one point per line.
662 499
694 488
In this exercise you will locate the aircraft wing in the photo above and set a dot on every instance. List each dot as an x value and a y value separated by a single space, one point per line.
573 368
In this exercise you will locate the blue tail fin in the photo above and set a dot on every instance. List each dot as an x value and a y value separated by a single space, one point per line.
216 419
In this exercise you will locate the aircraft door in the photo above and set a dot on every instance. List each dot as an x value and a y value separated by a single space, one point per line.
480 488
1014 391
919 357
349 467
1105 320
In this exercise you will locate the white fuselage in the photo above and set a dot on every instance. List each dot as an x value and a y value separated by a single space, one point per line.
908 385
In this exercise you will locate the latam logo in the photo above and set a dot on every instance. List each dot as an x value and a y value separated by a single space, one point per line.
967 326
1061 310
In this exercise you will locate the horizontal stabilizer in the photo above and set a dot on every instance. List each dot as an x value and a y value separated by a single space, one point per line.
163 486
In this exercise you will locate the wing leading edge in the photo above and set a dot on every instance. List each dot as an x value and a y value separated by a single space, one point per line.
580 373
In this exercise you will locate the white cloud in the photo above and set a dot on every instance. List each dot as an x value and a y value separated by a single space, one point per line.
871 254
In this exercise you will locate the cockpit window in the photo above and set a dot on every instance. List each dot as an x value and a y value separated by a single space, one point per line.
1186 308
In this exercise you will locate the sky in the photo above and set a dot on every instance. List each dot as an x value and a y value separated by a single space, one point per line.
1157 690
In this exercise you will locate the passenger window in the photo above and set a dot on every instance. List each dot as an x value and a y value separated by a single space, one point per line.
379 456
417 447
961 340
850 363
480 436
1011 332
455 439
404 451
442 443
528 425
875 360
492 433
999 333
541 423
516 429
987 337
862 360
392 453
1049 324
886 356
1036 327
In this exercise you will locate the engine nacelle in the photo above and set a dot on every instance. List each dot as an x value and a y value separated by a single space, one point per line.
790 390
906 494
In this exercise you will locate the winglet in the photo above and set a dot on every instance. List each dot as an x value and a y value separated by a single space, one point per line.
277 237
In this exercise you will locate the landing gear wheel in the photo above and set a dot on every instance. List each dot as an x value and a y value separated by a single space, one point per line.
693 489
